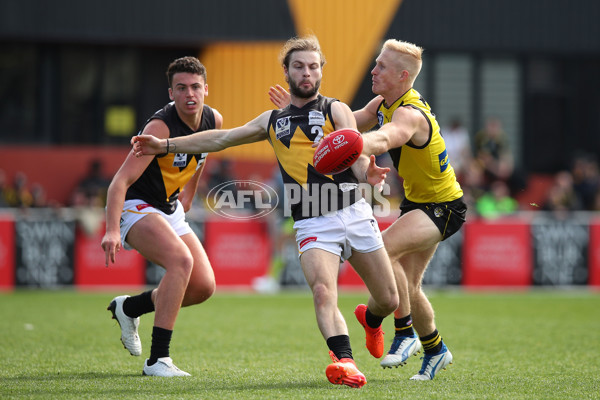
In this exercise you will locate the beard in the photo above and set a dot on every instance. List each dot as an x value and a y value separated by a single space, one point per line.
296 91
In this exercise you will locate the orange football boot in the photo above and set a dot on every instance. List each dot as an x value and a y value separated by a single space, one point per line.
374 335
344 372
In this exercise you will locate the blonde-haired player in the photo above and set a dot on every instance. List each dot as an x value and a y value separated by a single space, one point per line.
433 208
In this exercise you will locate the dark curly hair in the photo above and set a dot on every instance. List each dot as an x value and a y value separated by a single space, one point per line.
186 64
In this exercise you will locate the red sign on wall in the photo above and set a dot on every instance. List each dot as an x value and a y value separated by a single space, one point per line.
238 250
90 270
497 253
7 253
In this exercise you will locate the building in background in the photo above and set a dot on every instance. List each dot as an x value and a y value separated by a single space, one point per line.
77 78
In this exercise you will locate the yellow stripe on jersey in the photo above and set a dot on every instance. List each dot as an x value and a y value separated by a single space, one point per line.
292 132
173 177
292 158
296 159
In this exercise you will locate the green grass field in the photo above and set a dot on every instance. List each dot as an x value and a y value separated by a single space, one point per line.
535 345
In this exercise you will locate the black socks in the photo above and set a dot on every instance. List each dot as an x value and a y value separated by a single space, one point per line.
161 339
135 306
340 345
432 343
374 321
404 327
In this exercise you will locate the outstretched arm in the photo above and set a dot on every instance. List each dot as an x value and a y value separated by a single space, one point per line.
408 124
205 141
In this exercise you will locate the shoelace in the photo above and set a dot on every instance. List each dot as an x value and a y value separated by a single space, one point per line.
171 366
396 343
427 367
426 364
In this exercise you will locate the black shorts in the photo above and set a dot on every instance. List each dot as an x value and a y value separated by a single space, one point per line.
448 217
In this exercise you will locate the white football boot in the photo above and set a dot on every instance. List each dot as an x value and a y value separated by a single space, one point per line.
129 326
163 367
432 363
400 351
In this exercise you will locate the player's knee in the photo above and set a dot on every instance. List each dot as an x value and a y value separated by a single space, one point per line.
390 302
181 264
205 289
322 295
414 290
393 304
199 292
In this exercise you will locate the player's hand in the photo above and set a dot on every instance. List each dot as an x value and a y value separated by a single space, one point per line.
375 174
148 144
111 243
279 96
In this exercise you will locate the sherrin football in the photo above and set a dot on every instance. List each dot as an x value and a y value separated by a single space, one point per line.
337 151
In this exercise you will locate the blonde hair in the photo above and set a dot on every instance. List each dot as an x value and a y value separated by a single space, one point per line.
305 43
409 56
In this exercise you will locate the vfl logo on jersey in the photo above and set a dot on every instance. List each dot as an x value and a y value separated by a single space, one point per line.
282 127
180 160
316 118
444 160
380 118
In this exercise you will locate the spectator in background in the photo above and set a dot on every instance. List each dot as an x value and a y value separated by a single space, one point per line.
458 144
18 195
586 180
89 198
496 202
92 188
4 189
473 184
38 196
562 196
493 153
596 206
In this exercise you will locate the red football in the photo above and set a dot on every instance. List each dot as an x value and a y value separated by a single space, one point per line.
337 151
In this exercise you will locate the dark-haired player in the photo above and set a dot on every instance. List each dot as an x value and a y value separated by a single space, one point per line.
146 204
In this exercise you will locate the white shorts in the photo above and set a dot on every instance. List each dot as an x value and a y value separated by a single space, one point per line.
134 210
352 228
